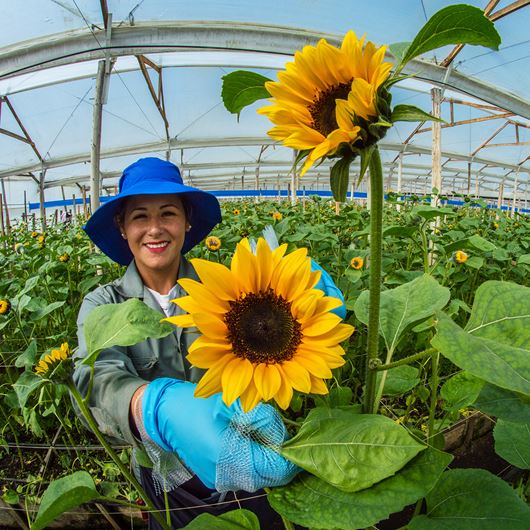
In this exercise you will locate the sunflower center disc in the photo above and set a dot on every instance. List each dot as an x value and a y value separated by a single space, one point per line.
262 329
323 107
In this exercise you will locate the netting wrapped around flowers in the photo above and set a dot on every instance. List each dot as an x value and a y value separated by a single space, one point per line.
249 456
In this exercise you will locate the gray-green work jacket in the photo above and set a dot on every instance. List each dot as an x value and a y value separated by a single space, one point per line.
119 371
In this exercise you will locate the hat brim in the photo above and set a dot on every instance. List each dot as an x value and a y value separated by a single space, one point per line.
104 232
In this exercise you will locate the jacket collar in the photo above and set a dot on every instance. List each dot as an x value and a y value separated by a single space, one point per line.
130 285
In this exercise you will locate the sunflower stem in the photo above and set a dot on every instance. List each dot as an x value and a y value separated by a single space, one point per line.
376 238
110 451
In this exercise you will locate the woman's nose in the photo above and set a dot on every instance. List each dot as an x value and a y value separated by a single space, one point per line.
155 226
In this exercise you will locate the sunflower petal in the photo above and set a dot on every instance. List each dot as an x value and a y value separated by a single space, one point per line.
297 375
314 364
267 380
210 325
235 379
318 386
284 395
210 382
218 278
206 356
250 397
199 292
181 321
318 325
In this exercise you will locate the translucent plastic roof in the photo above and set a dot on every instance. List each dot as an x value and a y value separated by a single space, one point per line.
49 52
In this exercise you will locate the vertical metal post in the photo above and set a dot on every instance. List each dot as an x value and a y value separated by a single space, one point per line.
42 199
514 194
95 179
7 220
436 180
2 215
25 207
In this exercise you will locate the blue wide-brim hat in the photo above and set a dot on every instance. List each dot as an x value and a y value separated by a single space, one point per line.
151 176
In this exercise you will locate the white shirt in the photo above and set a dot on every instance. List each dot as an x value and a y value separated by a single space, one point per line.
164 300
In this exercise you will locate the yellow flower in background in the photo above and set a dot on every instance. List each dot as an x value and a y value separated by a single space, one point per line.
357 263
325 97
213 243
34 234
236 212
56 365
41 239
277 216
63 258
5 307
460 256
265 329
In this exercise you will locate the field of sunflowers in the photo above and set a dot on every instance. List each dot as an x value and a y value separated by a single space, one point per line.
443 265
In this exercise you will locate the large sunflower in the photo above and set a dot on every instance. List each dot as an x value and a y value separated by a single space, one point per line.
325 97
265 329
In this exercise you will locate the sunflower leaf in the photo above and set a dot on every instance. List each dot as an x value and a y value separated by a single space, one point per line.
366 155
350 451
313 503
339 177
122 324
398 49
456 24
242 88
412 113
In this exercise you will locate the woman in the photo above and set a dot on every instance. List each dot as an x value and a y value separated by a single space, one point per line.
144 393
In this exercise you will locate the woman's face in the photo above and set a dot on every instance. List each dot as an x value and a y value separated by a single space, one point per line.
155 227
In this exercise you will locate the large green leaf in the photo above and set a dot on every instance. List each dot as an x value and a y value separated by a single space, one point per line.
242 88
456 24
399 380
411 113
460 391
122 324
501 403
512 442
428 212
496 362
63 495
404 306
339 177
26 384
234 520
350 451
468 499
501 312
29 357
42 312
313 503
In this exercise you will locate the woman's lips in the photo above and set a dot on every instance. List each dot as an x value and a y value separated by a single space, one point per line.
157 247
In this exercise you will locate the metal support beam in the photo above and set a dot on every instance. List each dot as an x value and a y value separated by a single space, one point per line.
436 180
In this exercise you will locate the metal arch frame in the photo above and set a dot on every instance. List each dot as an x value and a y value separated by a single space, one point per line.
155 37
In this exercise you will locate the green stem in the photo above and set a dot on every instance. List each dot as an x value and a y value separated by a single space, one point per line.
434 393
19 322
376 238
110 451
405 360
425 248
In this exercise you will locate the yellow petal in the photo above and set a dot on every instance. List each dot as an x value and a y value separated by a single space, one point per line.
206 356
244 267
297 375
210 325
199 292
206 342
217 278
327 303
196 305
264 258
235 379
332 337
314 364
285 393
318 386
267 380
319 324
250 397
210 382
182 321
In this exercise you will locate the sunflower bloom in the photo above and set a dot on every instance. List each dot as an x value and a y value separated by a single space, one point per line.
265 329
57 365
63 258
34 234
236 212
213 243
357 263
460 257
5 307
327 97
277 216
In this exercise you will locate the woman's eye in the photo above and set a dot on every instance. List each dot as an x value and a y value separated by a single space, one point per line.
168 214
139 216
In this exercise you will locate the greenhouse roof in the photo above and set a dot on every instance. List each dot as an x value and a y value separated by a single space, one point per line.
50 51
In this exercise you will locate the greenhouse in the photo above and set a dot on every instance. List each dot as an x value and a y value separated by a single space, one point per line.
265 265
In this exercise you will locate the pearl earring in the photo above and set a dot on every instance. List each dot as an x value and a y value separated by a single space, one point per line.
188 228
123 235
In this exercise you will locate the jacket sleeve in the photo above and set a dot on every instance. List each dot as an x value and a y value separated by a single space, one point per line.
115 379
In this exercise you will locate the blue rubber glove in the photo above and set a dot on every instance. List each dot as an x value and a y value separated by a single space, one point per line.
222 445
327 285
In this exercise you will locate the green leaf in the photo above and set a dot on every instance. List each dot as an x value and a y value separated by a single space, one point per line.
40 313
465 499
428 212
404 307
366 155
242 88
234 520
512 442
26 384
475 262
411 113
501 403
524 259
399 380
460 391
122 324
339 178
456 24
63 495
398 49
350 451
479 243
311 502
29 357
497 362
400 231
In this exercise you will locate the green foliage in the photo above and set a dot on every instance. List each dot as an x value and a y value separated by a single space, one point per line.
122 324
63 495
504 404
472 498
348 450
456 24
411 113
314 503
242 88
234 520
512 442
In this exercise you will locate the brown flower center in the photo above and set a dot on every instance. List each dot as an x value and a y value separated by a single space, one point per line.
323 107
262 329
